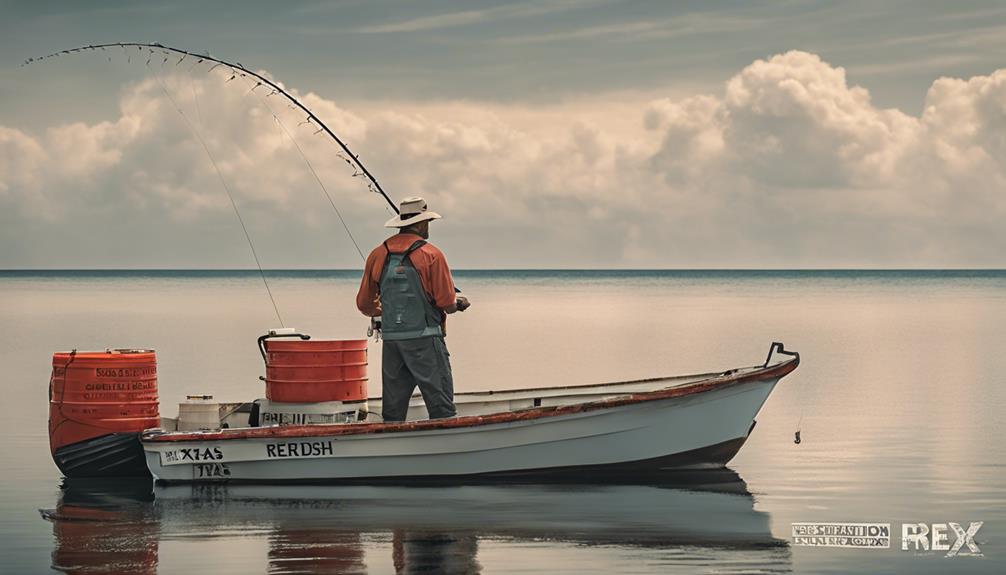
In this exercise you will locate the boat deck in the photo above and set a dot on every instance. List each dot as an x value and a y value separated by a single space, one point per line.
494 407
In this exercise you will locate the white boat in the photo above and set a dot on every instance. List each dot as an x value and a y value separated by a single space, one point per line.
625 428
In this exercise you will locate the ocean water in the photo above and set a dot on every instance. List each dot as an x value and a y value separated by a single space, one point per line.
900 398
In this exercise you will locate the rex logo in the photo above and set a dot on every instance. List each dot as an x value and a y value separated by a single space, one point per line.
937 537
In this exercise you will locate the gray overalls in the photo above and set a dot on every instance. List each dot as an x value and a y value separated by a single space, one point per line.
414 349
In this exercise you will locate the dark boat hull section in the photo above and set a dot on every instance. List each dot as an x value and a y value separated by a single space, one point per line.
111 455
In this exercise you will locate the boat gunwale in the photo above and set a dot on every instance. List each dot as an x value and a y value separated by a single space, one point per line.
693 378
724 379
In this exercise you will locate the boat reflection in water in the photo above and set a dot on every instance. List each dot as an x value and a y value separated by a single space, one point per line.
105 527
678 521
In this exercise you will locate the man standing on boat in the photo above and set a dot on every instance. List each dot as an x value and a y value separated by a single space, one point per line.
406 282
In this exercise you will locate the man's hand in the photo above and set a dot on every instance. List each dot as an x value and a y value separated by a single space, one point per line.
460 304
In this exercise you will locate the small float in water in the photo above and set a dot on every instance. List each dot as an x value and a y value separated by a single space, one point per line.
317 425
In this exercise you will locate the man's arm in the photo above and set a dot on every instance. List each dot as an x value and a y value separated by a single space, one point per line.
368 301
444 294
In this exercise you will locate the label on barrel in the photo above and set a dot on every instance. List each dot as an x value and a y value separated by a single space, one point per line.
278 418
126 371
121 386
294 418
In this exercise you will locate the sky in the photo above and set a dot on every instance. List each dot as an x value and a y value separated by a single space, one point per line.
549 134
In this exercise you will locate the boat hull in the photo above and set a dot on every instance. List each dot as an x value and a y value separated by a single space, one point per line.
691 430
109 455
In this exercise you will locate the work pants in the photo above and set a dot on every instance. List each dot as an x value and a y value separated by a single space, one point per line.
422 362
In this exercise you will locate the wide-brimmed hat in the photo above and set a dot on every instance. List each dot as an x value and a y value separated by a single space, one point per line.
411 211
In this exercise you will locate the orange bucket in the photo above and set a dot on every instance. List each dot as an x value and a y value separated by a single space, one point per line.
312 371
101 392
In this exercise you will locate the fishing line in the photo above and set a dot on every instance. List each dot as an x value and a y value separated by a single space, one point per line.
802 400
236 68
195 100
230 196
310 167
322 185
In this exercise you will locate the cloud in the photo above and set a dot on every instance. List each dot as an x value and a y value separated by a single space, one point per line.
787 166
22 159
467 17
645 29
793 121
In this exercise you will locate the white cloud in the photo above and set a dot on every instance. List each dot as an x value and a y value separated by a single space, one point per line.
788 166
467 17
647 29
793 121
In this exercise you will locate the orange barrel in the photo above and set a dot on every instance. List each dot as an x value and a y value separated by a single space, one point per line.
311 371
97 393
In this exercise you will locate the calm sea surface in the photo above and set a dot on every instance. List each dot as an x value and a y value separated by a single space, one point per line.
902 394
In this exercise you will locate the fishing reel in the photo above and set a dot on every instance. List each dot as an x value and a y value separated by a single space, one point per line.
374 330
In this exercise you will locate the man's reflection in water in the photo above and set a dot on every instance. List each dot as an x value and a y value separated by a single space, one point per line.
295 549
673 523
446 553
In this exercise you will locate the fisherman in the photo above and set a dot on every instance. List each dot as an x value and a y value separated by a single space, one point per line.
408 287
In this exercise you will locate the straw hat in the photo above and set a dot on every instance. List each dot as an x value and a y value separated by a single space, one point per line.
412 210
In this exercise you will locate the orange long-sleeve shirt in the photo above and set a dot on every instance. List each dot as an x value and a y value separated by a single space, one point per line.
429 262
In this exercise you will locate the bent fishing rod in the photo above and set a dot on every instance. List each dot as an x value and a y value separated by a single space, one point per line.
237 70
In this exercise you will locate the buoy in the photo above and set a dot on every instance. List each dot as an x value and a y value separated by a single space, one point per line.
99 401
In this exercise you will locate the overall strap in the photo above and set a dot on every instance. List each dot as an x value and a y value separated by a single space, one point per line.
384 266
405 258
405 255
415 246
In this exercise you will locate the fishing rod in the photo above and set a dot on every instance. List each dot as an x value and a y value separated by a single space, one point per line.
238 70
359 170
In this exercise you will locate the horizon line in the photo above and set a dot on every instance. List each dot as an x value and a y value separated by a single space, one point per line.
515 269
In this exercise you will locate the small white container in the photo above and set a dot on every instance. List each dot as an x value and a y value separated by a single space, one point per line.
198 412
